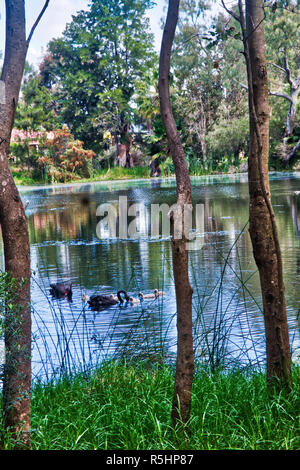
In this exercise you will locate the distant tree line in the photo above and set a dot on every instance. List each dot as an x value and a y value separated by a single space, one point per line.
100 81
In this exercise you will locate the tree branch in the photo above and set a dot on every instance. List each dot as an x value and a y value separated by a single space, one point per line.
230 12
281 95
37 22
293 152
287 70
278 67
271 93
242 85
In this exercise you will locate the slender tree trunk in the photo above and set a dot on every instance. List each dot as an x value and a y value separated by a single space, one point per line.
290 123
295 90
185 355
128 139
291 116
263 228
17 333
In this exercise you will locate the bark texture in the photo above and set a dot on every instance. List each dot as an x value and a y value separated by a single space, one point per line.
17 369
185 355
263 228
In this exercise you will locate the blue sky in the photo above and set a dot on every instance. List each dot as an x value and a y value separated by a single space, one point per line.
57 15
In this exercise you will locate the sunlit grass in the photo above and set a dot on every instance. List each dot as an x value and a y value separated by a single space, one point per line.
122 173
128 407
23 177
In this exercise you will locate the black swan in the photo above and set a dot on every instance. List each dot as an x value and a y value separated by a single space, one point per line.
61 289
101 302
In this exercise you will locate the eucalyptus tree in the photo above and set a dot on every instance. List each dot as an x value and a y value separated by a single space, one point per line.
197 78
185 354
283 55
17 328
263 227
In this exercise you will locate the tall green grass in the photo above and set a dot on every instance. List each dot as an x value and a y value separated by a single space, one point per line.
122 173
123 406
24 177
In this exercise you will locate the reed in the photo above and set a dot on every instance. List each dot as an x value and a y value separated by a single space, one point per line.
70 338
127 406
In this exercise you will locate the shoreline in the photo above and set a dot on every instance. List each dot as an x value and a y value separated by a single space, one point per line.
163 179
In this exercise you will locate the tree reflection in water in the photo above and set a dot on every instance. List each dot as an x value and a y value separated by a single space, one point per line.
227 318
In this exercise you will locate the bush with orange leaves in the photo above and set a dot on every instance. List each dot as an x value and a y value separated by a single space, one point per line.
62 158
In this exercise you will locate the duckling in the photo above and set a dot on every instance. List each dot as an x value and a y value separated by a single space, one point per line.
158 293
146 296
155 295
134 301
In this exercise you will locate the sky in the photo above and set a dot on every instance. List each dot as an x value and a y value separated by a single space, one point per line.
57 15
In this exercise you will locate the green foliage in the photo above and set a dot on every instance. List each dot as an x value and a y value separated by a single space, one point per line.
92 69
35 111
282 36
146 97
127 406
119 173
228 138
54 157
3 278
20 152
197 80
25 177
102 74
211 104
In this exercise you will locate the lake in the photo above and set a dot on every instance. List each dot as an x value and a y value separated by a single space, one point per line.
67 244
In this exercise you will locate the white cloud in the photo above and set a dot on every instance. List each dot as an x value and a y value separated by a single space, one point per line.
52 24
155 15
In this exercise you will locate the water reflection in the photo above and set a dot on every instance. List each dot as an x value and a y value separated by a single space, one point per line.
227 306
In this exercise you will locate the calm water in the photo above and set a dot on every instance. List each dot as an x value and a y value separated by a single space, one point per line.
227 306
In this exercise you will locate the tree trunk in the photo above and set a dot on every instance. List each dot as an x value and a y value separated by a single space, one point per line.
128 139
291 116
17 332
185 356
263 229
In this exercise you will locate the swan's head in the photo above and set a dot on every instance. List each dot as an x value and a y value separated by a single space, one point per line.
156 293
126 296
141 295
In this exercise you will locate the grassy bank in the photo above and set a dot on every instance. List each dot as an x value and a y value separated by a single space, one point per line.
25 178
128 407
